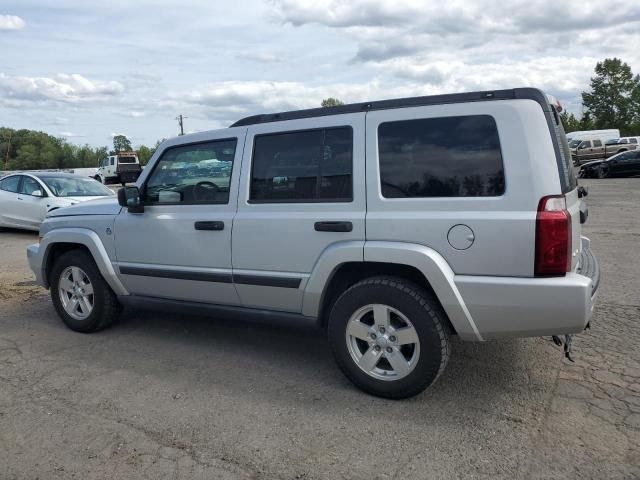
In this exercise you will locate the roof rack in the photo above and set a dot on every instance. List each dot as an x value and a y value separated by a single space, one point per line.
511 94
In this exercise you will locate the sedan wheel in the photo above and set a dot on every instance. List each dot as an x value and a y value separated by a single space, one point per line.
602 172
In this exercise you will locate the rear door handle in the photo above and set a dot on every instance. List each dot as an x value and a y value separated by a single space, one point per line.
333 226
209 225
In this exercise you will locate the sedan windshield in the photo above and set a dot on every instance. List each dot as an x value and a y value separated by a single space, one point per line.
75 187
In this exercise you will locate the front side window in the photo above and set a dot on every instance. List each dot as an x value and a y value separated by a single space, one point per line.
10 184
585 144
597 143
303 166
198 173
441 157
29 185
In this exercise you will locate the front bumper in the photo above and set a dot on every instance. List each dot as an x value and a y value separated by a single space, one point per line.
531 307
34 256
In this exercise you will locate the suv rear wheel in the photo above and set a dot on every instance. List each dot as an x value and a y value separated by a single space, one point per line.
389 337
80 295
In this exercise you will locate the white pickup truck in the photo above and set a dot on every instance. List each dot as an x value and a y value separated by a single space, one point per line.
123 167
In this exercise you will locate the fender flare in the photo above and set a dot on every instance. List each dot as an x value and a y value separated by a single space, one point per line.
89 239
429 262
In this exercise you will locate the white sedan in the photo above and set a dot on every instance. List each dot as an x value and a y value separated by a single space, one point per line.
26 198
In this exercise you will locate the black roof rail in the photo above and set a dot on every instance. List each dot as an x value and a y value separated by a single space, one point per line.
510 94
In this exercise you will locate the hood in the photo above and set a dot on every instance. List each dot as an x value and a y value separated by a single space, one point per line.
88 206
592 164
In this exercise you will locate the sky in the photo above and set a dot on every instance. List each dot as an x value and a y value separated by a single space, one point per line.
89 70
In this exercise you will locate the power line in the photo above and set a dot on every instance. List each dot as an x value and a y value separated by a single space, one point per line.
180 119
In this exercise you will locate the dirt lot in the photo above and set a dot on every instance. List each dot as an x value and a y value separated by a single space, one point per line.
175 397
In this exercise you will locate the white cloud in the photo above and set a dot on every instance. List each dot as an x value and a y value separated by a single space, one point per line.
70 135
259 57
62 88
136 114
11 22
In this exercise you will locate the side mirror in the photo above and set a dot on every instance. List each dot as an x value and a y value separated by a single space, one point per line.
37 193
130 197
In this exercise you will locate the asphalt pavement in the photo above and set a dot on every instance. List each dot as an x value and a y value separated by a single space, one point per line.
169 396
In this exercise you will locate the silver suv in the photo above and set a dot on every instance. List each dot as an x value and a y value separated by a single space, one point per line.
392 225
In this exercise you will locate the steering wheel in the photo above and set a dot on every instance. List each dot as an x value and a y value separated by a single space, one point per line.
203 191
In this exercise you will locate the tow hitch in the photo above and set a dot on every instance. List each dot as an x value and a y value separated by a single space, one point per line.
568 343
568 340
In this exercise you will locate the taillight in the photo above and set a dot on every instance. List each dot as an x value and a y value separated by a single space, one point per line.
553 237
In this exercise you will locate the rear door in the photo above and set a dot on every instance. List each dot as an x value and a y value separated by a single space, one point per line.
598 149
585 150
301 192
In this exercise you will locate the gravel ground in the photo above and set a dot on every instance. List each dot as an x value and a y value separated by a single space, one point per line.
160 396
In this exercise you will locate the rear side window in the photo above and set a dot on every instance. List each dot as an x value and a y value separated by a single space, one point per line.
441 157
597 143
303 166
10 184
633 140
563 155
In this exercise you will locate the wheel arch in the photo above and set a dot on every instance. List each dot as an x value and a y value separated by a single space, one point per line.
57 242
417 263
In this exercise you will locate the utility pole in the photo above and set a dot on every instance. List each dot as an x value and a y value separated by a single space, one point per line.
6 158
180 119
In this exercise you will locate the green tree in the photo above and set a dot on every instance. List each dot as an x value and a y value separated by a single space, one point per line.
144 154
614 98
570 122
331 102
121 144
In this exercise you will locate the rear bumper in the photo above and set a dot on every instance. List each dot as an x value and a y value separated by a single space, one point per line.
526 307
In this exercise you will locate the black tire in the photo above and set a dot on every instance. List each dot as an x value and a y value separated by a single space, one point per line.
602 172
420 307
106 308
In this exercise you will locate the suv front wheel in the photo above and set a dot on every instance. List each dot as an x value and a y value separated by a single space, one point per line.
82 298
389 336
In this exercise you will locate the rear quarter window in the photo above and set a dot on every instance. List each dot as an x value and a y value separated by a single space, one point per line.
441 157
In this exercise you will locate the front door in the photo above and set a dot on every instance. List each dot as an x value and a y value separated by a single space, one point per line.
34 208
302 193
180 246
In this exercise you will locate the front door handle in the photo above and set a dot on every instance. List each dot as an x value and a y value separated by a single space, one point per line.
333 226
209 225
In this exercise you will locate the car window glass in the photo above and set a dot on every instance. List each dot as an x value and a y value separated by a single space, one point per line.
303 166
585 144
112 161
10 184
29 185
597 143
198 173
624 140
633 140
441 157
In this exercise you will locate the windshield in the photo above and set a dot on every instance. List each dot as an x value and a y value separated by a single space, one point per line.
574 143
75 187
